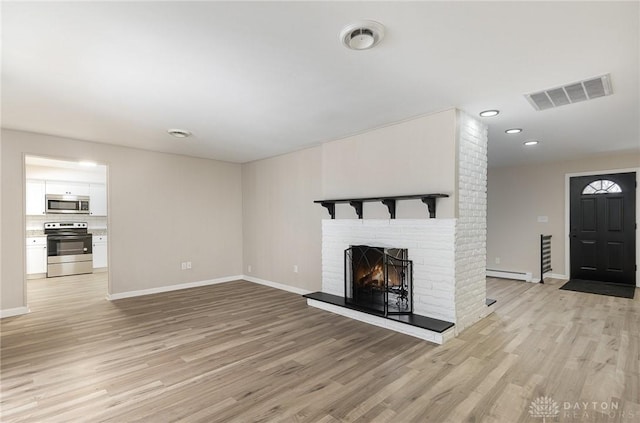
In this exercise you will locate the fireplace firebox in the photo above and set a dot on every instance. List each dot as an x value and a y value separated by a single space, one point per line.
379 279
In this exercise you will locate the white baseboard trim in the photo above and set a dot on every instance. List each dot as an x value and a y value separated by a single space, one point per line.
522 276
10 312
276 285
424 334
129 294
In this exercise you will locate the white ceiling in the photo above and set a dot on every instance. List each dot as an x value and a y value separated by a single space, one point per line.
253 80
65 164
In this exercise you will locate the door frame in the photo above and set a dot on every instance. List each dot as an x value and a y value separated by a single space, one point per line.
567 205
24 219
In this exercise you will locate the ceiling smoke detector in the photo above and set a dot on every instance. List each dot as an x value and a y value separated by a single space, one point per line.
362 35
179 133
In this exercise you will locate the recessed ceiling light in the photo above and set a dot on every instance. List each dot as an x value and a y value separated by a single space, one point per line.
530 143
179 133
489 113
88 164
362 35
513 131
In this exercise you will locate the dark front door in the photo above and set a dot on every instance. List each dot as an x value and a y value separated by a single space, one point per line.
603 227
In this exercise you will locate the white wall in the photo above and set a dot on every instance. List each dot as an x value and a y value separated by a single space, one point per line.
518 195
281 224
11 303
417 156
163 209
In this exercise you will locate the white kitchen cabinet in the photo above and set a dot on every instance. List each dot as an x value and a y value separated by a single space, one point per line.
98 199
67 188
36 255
99 251
35 200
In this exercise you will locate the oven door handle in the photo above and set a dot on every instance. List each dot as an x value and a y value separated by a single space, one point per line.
65 237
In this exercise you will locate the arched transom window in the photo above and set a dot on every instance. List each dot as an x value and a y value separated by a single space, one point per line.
601 186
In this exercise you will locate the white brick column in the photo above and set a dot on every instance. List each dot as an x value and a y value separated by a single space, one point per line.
471 225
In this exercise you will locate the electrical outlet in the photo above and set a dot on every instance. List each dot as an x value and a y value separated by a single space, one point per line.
183 265
249 268
188 265
295 268
497 260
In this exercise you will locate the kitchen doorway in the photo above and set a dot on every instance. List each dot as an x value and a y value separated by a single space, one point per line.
66 229
602 227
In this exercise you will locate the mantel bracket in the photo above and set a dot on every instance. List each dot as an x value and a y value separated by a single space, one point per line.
357 205
431 205
331 208
391 205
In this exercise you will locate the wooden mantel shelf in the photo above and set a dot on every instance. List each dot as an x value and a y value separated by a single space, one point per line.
390 202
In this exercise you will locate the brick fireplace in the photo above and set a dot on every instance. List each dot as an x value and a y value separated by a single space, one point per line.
448 254
430 246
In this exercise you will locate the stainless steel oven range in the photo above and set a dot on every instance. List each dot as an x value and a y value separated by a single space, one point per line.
68 248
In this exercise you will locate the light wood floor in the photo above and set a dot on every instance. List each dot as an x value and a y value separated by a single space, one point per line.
240 352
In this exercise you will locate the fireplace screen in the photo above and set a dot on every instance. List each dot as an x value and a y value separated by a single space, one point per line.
379 279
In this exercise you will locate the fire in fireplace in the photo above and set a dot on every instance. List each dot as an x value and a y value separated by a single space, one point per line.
379 279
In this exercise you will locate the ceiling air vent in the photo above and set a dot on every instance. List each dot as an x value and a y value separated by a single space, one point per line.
571 93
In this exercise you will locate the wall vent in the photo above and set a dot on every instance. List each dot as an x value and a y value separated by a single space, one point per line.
573 92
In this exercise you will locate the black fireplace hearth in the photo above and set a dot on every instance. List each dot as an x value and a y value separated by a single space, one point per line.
379 279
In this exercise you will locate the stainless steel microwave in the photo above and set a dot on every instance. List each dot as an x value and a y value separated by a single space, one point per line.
78 204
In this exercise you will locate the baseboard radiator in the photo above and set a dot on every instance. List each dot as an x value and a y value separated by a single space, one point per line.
545 256
507 274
